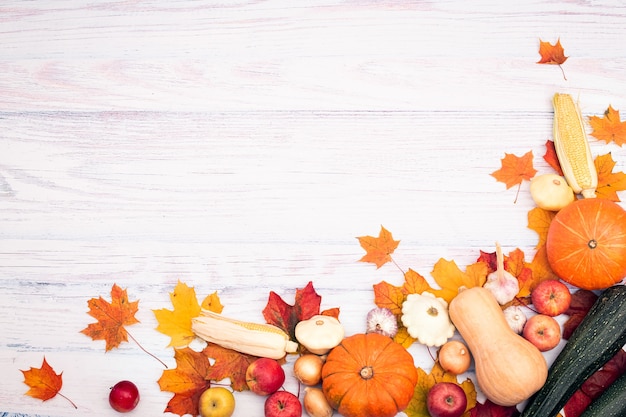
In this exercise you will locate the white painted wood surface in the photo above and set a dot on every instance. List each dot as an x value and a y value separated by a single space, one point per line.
241 146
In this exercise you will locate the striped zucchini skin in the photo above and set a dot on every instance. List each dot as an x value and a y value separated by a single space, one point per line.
600 335
612 402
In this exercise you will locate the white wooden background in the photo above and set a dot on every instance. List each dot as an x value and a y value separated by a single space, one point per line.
240 146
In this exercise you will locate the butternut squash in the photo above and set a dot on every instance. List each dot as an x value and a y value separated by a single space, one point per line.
509 369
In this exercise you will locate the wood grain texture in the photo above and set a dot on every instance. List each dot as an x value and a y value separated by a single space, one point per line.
241 146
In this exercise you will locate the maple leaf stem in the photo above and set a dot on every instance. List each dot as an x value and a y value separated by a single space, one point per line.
519 187
562 72
142 348
70 401
396 264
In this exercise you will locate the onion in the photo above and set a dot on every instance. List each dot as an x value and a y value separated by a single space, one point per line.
454 357
308 369
315 403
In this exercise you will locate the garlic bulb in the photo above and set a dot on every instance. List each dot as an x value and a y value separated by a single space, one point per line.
502 284
381 320
515 317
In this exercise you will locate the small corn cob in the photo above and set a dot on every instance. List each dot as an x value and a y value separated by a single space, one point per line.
263 340
572 146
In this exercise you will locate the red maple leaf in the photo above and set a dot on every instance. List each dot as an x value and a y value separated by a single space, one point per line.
286 316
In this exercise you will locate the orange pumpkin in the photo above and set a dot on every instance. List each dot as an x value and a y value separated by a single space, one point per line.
369 375
586 243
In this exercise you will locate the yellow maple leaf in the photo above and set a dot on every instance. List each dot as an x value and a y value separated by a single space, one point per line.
539 220
176 323
425 381
450 278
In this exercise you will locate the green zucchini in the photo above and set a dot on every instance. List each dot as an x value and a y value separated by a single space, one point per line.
600 335
612 402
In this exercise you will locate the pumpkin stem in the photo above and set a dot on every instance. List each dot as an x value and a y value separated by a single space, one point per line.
367 372
592 244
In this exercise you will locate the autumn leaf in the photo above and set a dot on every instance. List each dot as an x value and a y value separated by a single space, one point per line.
378 249
552 54
490 409
539 220
450 278
228 364
278 313
609 182
44 383
596 384
541 271
515 169
580 304
551 157
609 128
112 317
187 381
176 323
425 381
389 296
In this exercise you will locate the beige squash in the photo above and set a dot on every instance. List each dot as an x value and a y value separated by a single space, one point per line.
509 369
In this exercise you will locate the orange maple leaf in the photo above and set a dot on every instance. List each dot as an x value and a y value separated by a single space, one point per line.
44 383
515 169
609 128
552 54
112 317
228 364
379 249
609 182
187 381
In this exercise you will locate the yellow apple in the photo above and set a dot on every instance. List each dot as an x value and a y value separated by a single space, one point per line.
216 402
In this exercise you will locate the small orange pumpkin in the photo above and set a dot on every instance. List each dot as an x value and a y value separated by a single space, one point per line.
369 375
586 243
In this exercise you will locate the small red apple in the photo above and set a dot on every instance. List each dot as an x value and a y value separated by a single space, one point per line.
265 376
542 331
446 399
551 297
124 396
283 404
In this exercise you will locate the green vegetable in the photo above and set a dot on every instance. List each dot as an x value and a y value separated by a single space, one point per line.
612 402
600 335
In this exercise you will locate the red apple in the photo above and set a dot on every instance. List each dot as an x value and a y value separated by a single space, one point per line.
446 399
542 331
124 396
551 297
265 376
283 404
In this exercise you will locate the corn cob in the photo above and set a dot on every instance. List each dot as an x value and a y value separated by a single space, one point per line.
262 340
572 146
